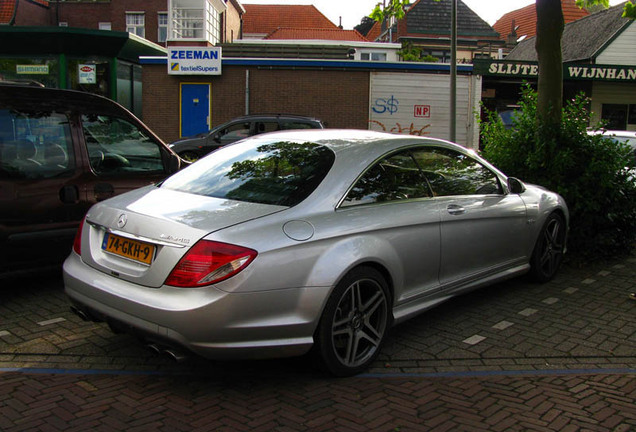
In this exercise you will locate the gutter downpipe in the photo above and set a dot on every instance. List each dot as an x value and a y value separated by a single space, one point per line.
247 92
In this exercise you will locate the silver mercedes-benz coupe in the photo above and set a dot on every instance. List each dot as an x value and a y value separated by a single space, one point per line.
308 240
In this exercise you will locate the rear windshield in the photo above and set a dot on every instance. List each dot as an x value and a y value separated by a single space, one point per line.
278 172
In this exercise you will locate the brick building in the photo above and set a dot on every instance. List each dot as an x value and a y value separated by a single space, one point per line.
208 21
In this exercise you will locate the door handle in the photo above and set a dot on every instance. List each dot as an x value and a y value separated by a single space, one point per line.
69 194
103 191
455 209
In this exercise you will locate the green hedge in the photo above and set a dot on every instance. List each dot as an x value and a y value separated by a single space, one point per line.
591 172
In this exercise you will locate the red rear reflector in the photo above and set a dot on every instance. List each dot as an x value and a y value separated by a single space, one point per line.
209 262
77 242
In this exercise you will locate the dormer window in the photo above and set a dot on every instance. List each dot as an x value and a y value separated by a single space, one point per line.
196 19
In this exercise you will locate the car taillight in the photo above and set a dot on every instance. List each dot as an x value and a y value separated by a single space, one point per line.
77 242
209 262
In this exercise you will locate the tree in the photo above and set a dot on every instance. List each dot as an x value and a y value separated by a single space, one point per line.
550 26
548 45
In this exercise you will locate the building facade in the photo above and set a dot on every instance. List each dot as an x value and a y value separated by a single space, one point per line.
599 60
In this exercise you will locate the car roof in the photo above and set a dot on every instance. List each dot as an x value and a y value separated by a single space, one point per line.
619 133
271 116
350 141
28 97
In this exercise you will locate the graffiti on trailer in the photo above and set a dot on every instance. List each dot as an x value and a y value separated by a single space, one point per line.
389 105
398 128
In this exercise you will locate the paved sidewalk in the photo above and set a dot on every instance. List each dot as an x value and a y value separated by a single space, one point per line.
514 357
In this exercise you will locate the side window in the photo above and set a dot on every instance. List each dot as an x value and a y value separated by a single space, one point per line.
394 178
234 132
35 145
263 127
453 173
290 124
117 146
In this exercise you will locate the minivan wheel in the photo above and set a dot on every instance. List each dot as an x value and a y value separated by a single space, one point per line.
549 249
190 156
355 322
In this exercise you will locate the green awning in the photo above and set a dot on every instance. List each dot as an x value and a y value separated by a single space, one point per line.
38 41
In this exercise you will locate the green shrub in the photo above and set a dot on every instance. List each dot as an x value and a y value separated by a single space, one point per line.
590 171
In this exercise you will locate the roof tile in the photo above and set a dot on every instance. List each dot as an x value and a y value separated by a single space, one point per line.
264 19
525 19
315 34
7 9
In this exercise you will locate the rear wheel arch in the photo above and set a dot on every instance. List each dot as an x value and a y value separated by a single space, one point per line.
355 320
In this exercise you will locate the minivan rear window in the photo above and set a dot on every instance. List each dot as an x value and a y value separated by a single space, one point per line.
267 172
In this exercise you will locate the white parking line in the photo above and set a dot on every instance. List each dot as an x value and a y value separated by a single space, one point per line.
502 325
474 340
528 312
51 321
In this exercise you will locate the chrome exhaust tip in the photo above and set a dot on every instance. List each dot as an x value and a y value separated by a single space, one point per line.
175 355
80 313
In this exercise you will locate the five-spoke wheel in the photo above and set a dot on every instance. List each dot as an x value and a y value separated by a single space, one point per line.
355 322
549 249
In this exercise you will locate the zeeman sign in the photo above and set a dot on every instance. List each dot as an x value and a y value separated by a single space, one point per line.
570 71
194 61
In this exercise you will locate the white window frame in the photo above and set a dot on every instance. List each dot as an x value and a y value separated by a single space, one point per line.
195 20
136 26
105 26
162 27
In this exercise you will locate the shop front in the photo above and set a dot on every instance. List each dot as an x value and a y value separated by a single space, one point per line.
95 61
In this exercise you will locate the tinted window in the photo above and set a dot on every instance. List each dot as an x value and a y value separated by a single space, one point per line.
290 124
394 178
235 132
453 173
280 173
116 146
264 127
35 145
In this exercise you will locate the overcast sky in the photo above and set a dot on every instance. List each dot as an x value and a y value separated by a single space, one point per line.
352 11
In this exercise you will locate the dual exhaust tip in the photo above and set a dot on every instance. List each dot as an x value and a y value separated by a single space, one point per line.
172 353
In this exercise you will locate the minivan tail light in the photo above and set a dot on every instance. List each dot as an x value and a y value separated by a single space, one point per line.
77 241
209 262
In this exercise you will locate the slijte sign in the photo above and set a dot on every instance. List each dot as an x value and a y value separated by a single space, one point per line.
570 71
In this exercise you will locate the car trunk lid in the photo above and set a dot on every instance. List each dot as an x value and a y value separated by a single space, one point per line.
142 235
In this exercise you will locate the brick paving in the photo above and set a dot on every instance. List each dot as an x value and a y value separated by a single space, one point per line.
514 357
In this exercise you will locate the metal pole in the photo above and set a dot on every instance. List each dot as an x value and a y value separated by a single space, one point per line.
247 92
453 71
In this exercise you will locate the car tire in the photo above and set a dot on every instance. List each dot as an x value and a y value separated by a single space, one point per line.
549 249
189 156
354 323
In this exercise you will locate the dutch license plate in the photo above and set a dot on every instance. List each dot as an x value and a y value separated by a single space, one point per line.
128 248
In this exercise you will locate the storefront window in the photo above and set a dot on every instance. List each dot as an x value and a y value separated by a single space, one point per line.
42 70
90 75
615 115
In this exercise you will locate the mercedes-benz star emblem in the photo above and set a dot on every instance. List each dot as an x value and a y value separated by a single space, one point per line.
122 220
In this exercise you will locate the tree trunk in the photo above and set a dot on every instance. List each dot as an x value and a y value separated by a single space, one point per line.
548 45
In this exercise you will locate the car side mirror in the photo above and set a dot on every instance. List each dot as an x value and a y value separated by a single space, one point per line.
515 185
175 164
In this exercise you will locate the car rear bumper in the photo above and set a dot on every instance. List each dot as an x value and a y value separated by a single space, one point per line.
207 321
